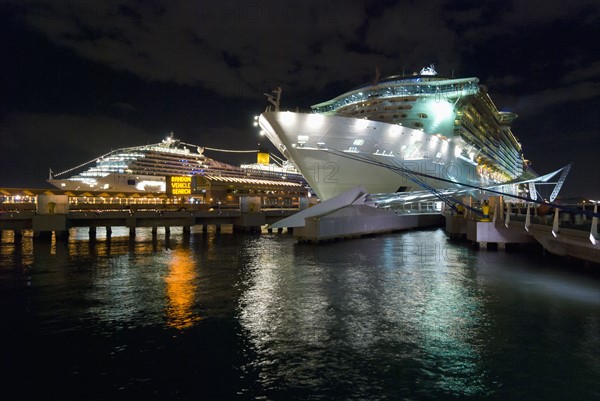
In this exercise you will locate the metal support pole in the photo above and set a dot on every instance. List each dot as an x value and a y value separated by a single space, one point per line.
594 238
496 207
555 228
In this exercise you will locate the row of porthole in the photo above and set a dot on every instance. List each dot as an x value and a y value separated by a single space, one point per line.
416 124
407 107
420 115
382 101
406 99
382 116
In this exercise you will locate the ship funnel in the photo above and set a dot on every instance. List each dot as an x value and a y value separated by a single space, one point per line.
262 157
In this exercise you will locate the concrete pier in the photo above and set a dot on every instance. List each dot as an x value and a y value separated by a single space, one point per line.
348 216
456 226
360 220
555 233
250 221
484 232
56 214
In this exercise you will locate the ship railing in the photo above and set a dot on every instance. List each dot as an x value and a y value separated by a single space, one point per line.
445 91
18 207
421 207
567 219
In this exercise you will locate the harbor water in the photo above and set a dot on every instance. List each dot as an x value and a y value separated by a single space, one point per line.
223 315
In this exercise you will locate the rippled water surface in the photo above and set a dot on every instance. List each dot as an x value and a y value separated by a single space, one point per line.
216 316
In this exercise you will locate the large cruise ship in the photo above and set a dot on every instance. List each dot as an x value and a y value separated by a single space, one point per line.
146 168
401 134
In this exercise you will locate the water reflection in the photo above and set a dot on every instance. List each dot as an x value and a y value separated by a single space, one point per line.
400 307
125 292
181 289
403 316
118 282
128 288
16 252
119 243
541 317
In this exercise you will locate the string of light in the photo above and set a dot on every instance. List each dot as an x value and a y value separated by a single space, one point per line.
231 150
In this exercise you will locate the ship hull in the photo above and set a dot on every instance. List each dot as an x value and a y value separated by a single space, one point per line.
337 153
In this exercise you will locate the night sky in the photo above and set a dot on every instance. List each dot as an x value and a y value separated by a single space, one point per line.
78 79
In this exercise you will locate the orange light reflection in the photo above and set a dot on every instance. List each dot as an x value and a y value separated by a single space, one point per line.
181 290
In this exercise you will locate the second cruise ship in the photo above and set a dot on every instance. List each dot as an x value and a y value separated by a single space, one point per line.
147 168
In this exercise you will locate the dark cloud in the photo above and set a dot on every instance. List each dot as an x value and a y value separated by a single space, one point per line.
32 143
582 72
231 47
504 81
234 47
124 107
419 35
66 138
551 97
